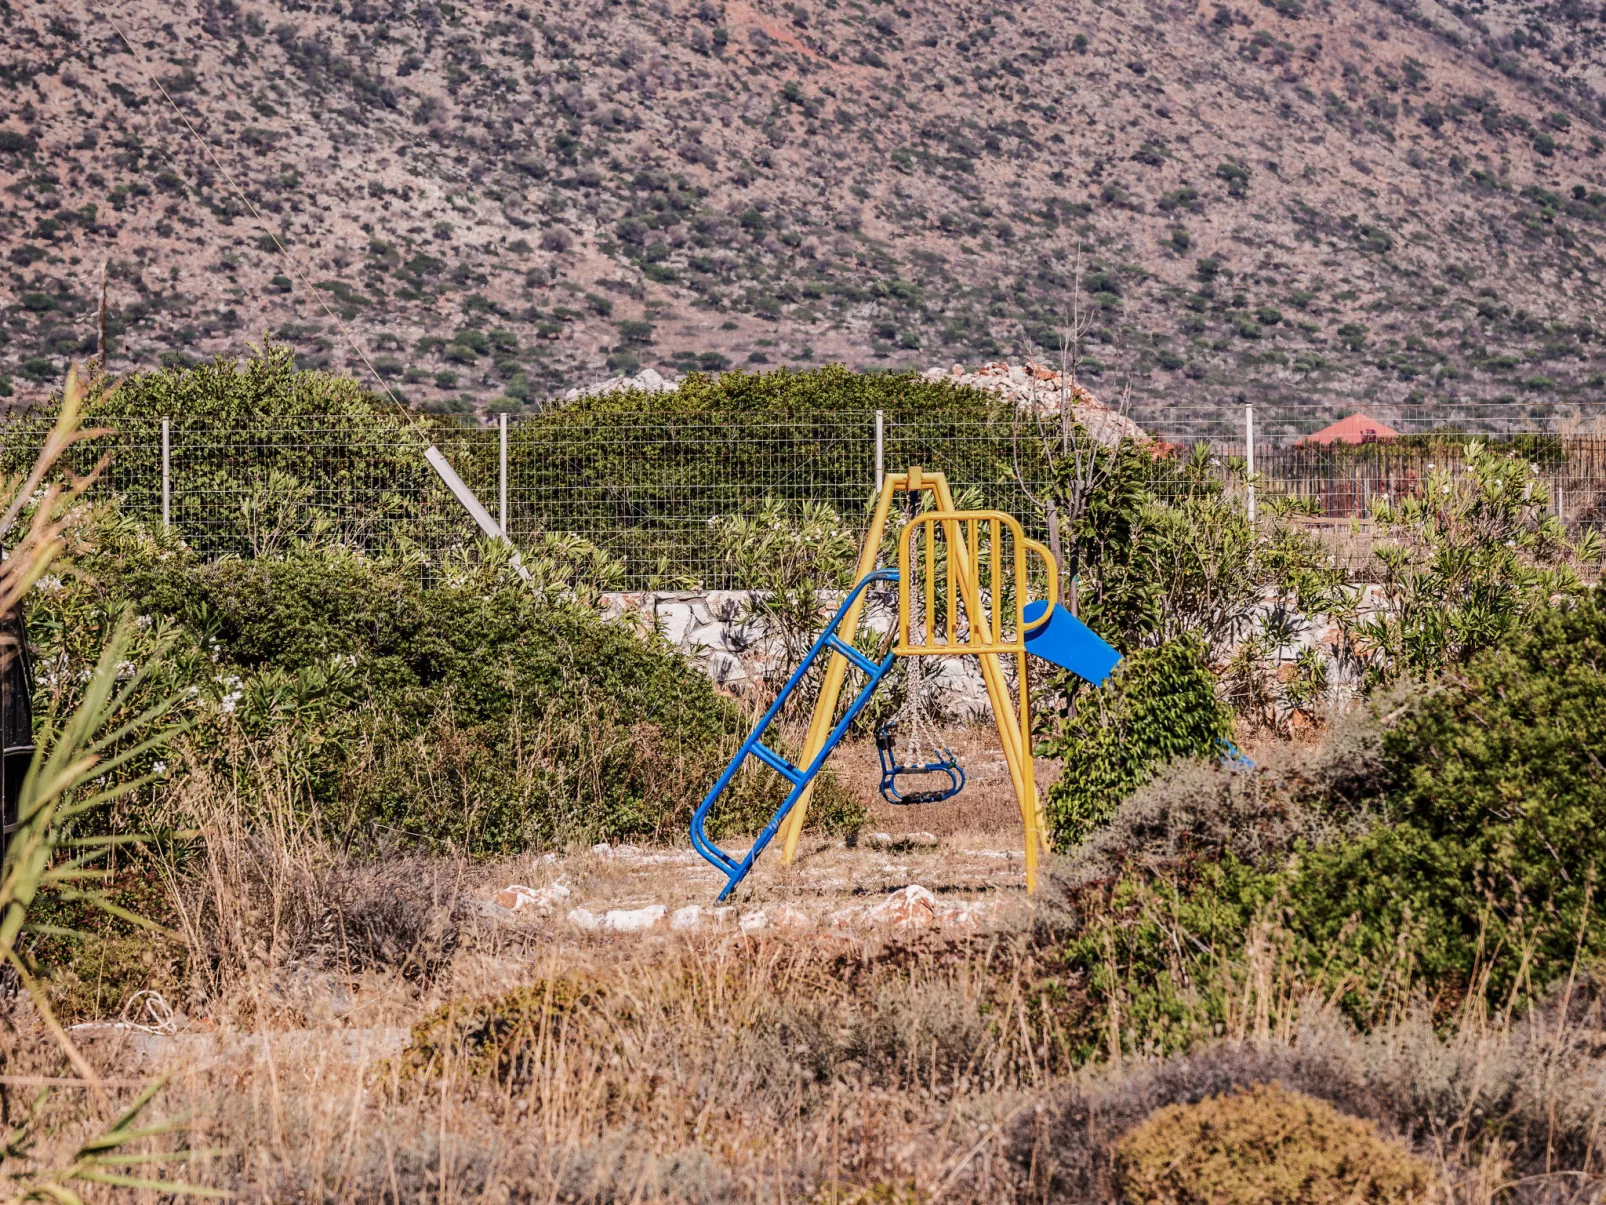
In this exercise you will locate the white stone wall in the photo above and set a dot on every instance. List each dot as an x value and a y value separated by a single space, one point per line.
719 631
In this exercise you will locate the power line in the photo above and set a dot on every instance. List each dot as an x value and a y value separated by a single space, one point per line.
294 263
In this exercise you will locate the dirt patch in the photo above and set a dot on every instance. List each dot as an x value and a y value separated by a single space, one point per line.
986 805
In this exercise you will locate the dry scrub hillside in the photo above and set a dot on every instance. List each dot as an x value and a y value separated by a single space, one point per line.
1305 202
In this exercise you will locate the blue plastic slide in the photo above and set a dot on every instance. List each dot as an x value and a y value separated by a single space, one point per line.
1069 643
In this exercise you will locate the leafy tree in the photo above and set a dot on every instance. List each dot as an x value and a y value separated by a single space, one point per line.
1164 548
1478 554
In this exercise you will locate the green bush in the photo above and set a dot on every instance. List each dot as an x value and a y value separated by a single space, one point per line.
259 443
1159 705
1491 864
473 712
1455 854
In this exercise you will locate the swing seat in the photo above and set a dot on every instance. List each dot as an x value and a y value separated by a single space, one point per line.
891 768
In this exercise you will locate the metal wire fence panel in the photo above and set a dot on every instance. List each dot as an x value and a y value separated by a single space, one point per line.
648 487
248 489
1344 480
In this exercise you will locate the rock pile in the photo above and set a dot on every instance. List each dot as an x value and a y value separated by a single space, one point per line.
648 380
910 907
1041 390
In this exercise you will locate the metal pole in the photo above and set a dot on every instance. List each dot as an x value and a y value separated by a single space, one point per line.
880 450
501 481
167 477
1249 456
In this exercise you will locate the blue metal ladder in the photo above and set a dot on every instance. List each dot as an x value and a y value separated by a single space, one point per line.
799 777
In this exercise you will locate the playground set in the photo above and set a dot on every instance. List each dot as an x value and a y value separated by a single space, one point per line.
960 586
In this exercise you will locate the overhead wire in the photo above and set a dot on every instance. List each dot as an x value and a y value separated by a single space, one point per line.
432 454
256 216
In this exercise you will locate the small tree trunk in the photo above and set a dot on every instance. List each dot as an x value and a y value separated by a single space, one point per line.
100 342
1051 512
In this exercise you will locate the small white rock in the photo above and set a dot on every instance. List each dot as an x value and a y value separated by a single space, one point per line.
790 916
689 917
634 920
911 907
752 922
602 849
519 898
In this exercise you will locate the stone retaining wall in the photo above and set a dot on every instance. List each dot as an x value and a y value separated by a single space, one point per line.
719 631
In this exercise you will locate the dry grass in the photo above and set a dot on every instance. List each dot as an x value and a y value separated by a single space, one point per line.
357 1030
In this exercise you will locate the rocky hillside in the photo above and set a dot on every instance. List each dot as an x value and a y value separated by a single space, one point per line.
1306 203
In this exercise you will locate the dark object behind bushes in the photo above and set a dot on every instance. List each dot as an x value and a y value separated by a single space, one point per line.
16 719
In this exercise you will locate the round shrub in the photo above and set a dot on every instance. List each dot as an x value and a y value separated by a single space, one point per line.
1264 1146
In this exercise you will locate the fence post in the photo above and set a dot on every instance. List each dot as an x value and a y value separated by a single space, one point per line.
167 477
501 477
1249 457
880 451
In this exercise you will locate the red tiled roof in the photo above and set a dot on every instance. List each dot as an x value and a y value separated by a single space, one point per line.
1356 429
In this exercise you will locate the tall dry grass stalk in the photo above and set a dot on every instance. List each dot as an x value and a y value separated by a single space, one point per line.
364 1031
83 764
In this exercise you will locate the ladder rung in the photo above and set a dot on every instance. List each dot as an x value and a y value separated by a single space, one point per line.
851 653
777 763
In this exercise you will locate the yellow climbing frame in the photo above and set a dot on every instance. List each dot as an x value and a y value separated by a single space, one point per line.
962 589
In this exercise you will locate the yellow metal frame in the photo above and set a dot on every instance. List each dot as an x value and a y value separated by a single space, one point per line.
963 595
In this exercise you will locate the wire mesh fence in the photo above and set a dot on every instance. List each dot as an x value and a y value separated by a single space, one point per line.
646 487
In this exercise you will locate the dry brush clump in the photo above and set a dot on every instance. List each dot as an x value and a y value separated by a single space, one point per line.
1264 1146
1515 1105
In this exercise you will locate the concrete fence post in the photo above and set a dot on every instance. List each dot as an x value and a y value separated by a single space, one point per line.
167 475
1249 458
880 450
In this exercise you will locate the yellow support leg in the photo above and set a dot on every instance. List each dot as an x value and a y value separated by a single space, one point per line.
836 670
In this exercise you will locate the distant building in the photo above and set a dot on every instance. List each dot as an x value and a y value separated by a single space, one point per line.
1356 429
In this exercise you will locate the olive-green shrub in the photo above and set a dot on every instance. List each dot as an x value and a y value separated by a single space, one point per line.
1265 1146
1159 705
1492 861
463 709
